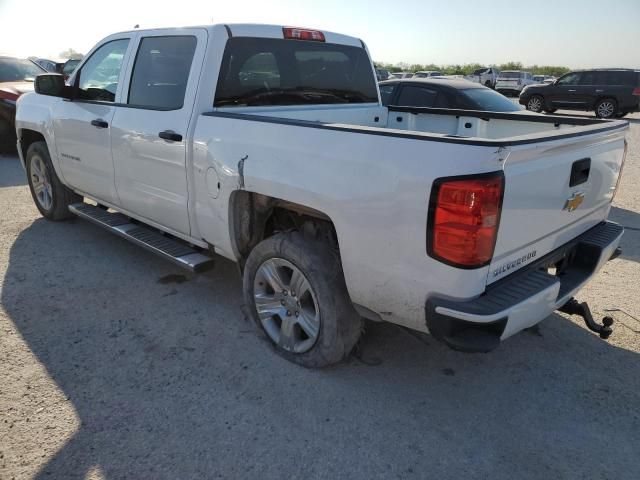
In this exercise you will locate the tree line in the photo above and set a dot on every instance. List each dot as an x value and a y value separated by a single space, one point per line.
469 68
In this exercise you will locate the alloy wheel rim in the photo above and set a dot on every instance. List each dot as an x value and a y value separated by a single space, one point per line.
605 109
286 305
535 104
41 182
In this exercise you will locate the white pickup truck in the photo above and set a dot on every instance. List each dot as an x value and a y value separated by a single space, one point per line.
269 146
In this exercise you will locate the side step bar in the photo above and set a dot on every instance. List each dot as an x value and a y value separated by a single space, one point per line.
178 252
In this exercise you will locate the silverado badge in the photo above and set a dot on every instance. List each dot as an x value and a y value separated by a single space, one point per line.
573 202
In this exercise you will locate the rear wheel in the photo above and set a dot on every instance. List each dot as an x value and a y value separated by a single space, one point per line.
49 194
606 108
535 103
296 293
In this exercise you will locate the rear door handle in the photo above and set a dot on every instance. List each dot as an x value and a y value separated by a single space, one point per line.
171 136
572 90
99 123
599 91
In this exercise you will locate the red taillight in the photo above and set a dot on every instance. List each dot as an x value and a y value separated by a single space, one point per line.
636 92
293 33
463 219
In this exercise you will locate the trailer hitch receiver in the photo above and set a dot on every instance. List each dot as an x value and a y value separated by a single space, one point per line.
573 307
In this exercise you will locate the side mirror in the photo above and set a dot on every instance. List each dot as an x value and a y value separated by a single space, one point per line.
52 84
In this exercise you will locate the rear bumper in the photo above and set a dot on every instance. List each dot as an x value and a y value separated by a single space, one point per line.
525 297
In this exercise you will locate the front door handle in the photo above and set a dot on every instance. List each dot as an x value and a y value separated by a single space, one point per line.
572 90
99 123
171 136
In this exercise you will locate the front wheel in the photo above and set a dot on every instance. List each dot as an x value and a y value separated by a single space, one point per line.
535 103
49 194
296 293
606 108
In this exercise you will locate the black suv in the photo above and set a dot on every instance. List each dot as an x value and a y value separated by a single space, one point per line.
608 92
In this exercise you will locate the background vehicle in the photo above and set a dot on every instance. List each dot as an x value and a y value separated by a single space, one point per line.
269 146
538 78
68 67
382 74
511 82
16 78
427 74
484 76
608 92
48 65
444 93
401 74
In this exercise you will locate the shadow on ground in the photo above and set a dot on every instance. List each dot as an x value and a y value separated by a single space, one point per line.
630 220
12 172
169 381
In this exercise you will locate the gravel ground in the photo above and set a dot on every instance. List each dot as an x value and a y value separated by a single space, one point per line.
113 364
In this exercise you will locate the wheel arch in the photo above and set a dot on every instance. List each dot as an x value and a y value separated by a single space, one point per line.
254 217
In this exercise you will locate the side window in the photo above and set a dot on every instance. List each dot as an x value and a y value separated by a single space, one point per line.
412 96
587 78
386 93
161 72
569 79
620 77
98 78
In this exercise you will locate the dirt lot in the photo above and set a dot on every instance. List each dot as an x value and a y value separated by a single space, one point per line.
113 364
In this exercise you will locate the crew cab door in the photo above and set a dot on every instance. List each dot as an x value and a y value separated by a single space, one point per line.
567 92
150 129
82 125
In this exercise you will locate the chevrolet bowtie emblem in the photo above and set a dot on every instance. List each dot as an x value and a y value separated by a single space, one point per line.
573 202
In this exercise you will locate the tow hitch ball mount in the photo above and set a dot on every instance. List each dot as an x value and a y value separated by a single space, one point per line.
573 307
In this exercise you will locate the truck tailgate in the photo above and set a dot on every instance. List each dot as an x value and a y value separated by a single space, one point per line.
554 191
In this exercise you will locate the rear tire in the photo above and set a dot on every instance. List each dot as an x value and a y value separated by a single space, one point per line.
314 327
49 194
535 103
606 108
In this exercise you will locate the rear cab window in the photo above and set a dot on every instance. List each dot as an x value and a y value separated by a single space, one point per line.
269 72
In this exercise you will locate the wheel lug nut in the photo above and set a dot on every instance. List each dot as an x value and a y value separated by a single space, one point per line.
288 313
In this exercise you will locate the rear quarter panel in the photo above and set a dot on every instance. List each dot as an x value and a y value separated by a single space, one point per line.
374 188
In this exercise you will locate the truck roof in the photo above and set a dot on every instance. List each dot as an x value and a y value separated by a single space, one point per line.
260 31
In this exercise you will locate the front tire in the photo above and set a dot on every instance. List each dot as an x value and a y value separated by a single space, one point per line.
296 293
49 194
535 103
606 108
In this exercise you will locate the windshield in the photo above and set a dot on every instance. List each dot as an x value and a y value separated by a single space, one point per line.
264 71
511 75
489 100
17 70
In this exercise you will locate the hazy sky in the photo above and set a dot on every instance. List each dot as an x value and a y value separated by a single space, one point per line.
575 33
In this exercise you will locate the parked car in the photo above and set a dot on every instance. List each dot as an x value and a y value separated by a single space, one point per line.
511 82
382 74
444 93
68 67
427 74
484 76
402 74
607 92
549 80
16 78
538 78
48 65
471 226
